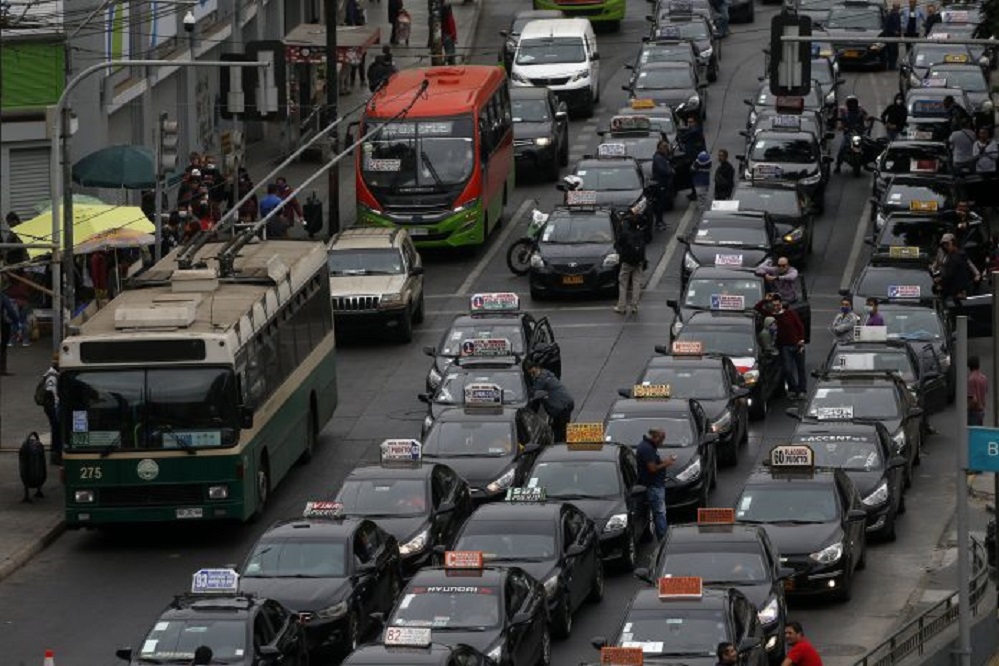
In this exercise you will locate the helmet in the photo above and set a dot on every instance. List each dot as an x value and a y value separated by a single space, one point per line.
703 158
572 182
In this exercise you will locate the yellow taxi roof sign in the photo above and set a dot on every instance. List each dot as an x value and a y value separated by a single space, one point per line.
924 206
659 391
956 57
638 104
715 516
622 656
681 587
576 433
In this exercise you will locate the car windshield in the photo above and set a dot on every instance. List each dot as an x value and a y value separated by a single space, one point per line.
642 148
724 232
866 402
891 361
927 55
384 497
577 228
176 640
773 201
902 194
921 324
703 383
461 605
727 341
724 293
716 566
903 159
419 156
844 17
695 30
969 79
630 430
452 388
474 439
812 503
798 151
365 262
857 454
888 284
660 78
589 478
530 110
687 632
666 53
609 178
450 345
550 50
298 558
509 540
162 408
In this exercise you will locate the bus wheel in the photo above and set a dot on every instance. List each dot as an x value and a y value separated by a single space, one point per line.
312 436
262 485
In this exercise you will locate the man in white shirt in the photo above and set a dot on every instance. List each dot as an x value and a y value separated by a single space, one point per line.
986 152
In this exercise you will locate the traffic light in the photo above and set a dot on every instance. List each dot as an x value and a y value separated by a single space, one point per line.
168 144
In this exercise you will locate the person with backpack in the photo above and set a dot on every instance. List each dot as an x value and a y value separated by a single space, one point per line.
630 246
47 397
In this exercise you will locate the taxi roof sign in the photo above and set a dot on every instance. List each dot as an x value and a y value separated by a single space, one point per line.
408 636
715 516
577 433
463 559
786 121
323 509
486 347
584 446
870 333
533 494
401 450
726 205
612 150
622 656
494 302
639 104
956 57
651 391
687 347
795 456
630 124
680 587
924 206
215 581
956 16
483 395
581 198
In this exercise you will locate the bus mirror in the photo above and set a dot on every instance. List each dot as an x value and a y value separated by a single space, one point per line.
245 417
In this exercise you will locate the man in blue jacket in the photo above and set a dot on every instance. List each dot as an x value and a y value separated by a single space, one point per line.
555 397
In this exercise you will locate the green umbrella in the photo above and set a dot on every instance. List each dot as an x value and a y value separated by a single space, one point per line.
128 167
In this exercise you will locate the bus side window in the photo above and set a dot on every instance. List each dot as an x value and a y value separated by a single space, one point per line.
485 137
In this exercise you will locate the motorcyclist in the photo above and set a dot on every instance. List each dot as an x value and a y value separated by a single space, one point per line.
852 118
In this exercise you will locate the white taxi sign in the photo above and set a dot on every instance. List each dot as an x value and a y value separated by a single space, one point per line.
903 252
323 509
767 171
505 301
687 348
956 16
870 333
463 559
483 395
408 636
215 581
576 433
726 205
533 494
735 302
842 413
786 121
936 83
399 450
612 150
904 291
581 198
680 587
787 455
486 347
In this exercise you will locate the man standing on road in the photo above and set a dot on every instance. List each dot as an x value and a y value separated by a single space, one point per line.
978 391
554 396
800 651
630 246
955 280
652 475
791 346
724 176
845 321
782 279
662 174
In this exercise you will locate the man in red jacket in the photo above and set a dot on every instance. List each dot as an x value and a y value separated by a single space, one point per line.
790 341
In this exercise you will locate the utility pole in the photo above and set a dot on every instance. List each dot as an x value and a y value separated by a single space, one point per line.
68 262
332 112
167 140
436 38
962 651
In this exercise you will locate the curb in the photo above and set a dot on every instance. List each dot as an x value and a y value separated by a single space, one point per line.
53 530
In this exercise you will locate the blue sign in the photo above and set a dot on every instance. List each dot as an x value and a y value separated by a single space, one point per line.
983 449
208 581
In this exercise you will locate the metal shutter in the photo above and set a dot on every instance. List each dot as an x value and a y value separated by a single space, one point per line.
29 180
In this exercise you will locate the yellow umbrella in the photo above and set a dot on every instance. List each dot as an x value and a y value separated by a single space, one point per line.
114 239
88 221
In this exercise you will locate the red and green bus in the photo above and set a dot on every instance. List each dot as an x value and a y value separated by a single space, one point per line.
610 12
443 170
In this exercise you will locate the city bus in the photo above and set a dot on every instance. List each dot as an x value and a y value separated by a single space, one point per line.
192 394
608 12
443 170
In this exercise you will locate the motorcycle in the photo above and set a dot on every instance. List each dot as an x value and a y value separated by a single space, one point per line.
518 255
862 150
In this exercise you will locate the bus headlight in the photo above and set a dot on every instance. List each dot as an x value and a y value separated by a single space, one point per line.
84 496
416 544
218 492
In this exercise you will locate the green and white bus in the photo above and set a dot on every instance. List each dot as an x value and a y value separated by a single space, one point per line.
191 395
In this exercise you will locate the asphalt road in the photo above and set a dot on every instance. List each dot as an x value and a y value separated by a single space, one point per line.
91 592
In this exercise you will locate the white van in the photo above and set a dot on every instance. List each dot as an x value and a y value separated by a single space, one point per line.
560 54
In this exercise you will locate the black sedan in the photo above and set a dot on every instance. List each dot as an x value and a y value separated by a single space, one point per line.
640 142
917 61
553 541
576 254
511 36
499 612
669 50
619 182
793 156
892 284
422 506
333 573
817 522
503 371
728 239
716 289
904 156
791 211
864 452
602 481
698 30
925 328
770 119
909 239
688 436
672 84
933 194
540 130
928 118
858 18
717 386
492 449
727 556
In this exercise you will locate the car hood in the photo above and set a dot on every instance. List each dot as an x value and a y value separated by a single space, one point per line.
355 285
599 510
478 472
480 640
403 528
803 539
758 595
297 594
584 253
705 254
528 130
618 198
865 482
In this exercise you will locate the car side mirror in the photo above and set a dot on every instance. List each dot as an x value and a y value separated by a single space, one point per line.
744 133
702 86
844 292
741 158
561 114
740 392
530 448
748 102
856 514
424 398
748 644
560 187
599 642
269 651
416 270
643 573
430 351
521 618
650 19
816 374
624 393
245 417
575 550
683 239
672 303
661 349
929 377
710 438
638 490
440 549
629 67
603 132
626 89
874 201
916 411
793 413
125 653
897 462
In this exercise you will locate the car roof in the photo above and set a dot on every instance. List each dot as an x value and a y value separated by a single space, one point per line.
922 180
186 606
460 414
648 599
890 346
639 407
556 27
313 528
477 318
564 452
591 162
518 511
366 237
666 64
784 134
738 216
934 92
380 471
857 377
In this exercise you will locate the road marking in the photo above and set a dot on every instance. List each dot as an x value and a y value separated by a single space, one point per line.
681 229
498 242
858 245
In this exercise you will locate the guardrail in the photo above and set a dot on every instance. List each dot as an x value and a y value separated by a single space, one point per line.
913 636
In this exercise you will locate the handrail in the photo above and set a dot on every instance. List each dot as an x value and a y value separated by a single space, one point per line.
913 636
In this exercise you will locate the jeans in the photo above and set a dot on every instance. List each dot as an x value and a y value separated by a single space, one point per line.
703 199
794 368
656 495
976 418
722 21
630 277
559 422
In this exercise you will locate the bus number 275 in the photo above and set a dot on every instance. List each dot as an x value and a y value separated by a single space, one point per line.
90 473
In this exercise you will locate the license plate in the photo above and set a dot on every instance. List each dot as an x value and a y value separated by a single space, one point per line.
418 231
190 513
572 279
788 584
922 135
851 54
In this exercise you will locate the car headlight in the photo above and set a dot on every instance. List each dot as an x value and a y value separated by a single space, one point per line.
877 46
611 260
518 78
879 496
691 471
752 117
390 300
708 52
814 179
829 554
945 362
694 102
689 262
503 482
537 261
794 236
334 612
751 376
496 654
580 76
899 440
768 614
723 424
542 141
416 544
914 81
551 585
434 377
618 521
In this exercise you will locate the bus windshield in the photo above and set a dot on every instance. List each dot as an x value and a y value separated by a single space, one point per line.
423 155
161 408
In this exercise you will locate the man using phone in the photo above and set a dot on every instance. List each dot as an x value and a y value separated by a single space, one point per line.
652 475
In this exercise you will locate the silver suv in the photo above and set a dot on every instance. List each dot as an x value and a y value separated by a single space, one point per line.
376 281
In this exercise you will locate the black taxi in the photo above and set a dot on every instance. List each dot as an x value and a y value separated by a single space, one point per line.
728 239
788 153
792 212
415 647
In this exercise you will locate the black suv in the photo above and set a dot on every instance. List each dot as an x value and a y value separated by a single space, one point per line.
540 130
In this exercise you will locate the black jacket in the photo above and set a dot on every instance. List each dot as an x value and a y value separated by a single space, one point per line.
895 114
630 244
955 276
724 180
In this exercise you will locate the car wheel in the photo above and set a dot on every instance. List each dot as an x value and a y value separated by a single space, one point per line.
353 632
597 588
545 658
405 332
420 314
311 438
630 555
563 621
563 157
263 486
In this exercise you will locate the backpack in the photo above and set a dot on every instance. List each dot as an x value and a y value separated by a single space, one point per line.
631 245
41 394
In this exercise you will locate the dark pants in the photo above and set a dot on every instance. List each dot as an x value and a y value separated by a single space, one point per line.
976 418
794 368
55 449
891 52
559 422
4 341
